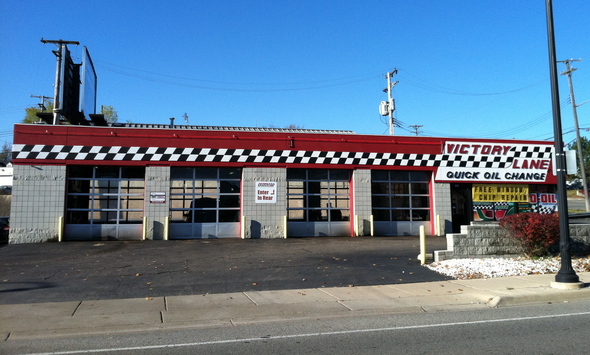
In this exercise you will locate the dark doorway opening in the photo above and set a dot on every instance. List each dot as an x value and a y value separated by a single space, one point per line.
462 205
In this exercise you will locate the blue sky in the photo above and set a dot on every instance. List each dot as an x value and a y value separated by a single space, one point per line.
466 68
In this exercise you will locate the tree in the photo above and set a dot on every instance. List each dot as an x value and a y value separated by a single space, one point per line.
291 126
110 114
5 154
585 143
294 126
31 112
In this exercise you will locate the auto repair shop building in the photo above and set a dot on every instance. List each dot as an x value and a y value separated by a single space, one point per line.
135 182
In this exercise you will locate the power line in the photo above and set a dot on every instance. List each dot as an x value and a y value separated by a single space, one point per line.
355 77
233 89
507 133
441 89
218 85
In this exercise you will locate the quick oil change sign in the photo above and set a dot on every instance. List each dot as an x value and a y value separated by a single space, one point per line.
495 162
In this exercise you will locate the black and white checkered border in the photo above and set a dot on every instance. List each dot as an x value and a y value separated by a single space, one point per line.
542 209
151 154
483 205
533 151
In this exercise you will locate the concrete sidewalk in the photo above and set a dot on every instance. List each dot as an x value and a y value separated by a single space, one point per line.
87 317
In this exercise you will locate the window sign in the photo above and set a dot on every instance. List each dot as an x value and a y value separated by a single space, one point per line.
157 197
500 193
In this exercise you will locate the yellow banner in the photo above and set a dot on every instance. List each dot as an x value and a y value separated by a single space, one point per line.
500 193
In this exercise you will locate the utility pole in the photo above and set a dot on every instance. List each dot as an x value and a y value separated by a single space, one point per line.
58 53
390 102
42 104
568 72
416 127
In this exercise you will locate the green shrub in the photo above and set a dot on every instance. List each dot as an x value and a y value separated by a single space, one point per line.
534 232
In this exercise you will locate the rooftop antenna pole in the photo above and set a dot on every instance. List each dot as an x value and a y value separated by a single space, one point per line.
185 116
56 104
568 72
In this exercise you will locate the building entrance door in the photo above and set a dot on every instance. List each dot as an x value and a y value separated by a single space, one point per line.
462 205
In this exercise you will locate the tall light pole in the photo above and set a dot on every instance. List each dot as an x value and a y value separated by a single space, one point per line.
568 72
566 274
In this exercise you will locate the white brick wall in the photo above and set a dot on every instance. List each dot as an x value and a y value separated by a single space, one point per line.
157 179
38 201
441 199
362 200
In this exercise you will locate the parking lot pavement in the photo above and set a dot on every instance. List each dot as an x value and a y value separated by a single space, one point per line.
57 272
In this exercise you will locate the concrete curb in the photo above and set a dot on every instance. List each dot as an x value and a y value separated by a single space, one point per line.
545 296
61 319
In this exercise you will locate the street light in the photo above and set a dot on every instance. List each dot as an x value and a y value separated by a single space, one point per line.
566 274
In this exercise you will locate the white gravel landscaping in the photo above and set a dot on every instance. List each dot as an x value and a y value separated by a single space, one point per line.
463 269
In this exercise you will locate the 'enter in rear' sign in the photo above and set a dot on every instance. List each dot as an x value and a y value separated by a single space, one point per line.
266 191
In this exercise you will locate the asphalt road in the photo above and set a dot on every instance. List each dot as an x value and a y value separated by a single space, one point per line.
577 204
70 271
534 329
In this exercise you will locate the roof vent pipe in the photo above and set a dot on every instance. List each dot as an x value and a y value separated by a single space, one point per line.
171 122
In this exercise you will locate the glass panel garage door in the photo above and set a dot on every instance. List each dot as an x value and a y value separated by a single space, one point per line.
105 203
205 203
401 202
318 202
